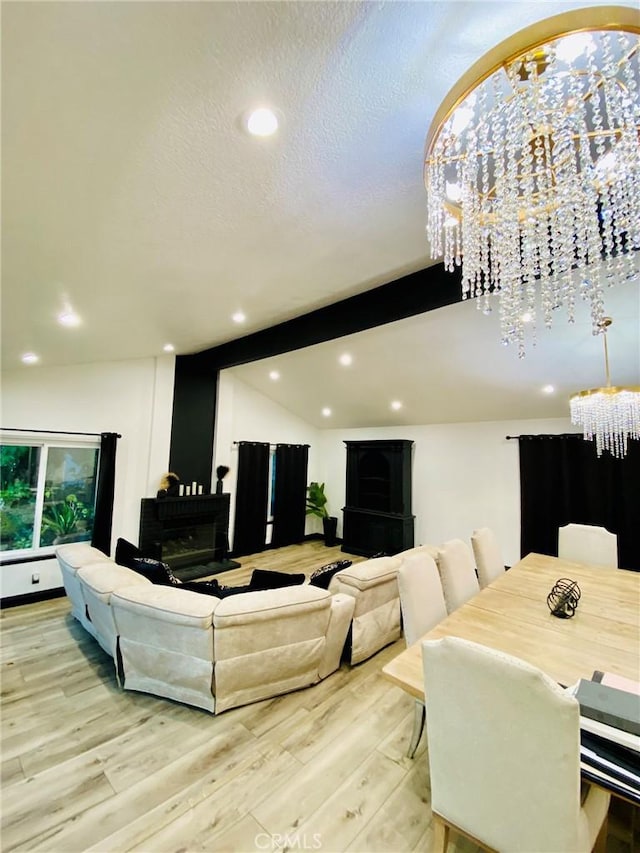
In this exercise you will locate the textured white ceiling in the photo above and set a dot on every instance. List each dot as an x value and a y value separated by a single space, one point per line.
131 192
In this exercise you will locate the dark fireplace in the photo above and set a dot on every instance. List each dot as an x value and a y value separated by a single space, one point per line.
186 531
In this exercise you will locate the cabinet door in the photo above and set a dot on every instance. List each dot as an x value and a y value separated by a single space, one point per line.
368 533
379 476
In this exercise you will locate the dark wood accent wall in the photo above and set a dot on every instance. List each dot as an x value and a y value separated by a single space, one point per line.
192 426
196 376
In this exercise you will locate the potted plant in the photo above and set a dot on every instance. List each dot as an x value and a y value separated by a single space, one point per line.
317 505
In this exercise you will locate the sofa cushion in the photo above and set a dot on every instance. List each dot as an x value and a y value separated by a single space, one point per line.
78 554
268 604
169 604
105 577
322 576
268 579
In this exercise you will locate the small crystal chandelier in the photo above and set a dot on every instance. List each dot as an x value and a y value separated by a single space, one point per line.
611 414
532 169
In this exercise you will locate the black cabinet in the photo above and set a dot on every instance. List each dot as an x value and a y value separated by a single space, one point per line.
377 515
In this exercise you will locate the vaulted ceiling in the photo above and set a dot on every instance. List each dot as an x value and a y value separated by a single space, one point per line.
132 194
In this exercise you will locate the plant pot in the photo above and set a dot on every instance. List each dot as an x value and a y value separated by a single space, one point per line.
330 526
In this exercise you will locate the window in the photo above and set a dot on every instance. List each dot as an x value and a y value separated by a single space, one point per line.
47 493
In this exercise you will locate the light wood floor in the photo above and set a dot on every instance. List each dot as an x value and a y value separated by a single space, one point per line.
87 766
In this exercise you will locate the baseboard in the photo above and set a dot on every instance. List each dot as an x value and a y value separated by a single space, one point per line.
314 536
31 597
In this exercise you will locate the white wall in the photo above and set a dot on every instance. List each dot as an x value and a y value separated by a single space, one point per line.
246 415
133 398
464 476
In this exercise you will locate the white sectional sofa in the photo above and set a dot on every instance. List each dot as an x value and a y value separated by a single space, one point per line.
220 653
198 649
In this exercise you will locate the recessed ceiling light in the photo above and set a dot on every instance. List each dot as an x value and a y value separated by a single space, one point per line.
548 389
238 317
396 405
262 122
69 318
326 412
274 375
169 348
30 358
346 359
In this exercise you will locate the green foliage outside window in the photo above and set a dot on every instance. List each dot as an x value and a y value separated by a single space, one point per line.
18 486
67 495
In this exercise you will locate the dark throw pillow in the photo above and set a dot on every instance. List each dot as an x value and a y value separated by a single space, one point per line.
211 587
155 570
322 576
226 591
126 553
266 579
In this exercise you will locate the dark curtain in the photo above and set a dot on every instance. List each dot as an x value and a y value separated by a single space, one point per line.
105 488
252 490
563 481
290 494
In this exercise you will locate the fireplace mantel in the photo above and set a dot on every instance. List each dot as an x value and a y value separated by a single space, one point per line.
195 505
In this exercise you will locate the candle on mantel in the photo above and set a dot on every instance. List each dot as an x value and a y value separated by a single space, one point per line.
194 487
199 490
181 490
187 491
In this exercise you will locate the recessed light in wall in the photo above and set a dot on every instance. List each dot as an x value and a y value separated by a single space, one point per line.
69 318
169 348
396 405
548 389
238 317
326 412
262 122
274 375
346 359
30 358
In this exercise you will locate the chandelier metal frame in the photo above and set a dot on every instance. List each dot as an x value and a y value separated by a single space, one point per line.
532 169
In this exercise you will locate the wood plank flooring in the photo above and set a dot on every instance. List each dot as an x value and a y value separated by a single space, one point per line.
87 766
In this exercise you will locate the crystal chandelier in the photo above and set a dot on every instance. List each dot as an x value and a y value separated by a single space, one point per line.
532 169
611 414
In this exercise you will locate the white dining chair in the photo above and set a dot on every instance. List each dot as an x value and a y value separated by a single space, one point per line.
488 556
422 605
586 543
457 573
504 754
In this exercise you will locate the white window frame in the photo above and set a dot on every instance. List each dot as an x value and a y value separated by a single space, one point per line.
35 439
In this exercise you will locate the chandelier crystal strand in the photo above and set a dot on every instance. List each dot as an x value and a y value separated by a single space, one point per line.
609 415
534 173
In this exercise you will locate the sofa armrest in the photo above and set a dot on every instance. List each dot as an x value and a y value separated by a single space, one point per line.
339 622
367 574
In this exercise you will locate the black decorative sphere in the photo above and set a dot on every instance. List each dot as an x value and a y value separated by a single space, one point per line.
563 598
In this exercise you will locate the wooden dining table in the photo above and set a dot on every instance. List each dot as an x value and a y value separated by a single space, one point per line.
511 614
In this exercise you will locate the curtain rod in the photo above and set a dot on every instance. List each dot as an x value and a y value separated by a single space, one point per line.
271 445
545 435
54 431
